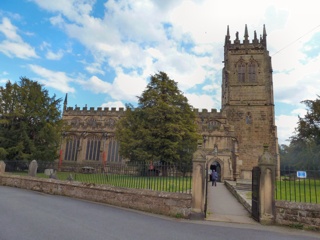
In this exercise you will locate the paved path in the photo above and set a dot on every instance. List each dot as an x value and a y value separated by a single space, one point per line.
222 206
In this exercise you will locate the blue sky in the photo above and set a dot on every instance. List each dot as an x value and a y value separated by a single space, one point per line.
102 53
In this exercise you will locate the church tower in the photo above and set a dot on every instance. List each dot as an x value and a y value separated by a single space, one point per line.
247 99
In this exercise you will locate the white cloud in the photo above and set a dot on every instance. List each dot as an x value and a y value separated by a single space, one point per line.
56 80
286 125
96 85
208 88
74 10
3 80
9 30
300 83
116 104
139 38
300 112
50 55
202 101
54 56
94 68
13 45
126 87
125 38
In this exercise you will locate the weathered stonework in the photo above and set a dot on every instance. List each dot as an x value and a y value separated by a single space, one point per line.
305 214
164 203
247 99
232 138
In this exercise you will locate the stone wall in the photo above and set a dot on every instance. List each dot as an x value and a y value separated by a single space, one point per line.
300 215
297 215
239 195
170 204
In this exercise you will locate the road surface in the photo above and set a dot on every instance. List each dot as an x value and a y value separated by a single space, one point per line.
28 215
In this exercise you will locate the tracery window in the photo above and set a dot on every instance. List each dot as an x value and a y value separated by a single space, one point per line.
241 71
113 152
93 148
252 72
72 145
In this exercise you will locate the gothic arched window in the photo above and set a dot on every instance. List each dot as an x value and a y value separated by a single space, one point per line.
93 148
252 72
113 152
241 71
72 146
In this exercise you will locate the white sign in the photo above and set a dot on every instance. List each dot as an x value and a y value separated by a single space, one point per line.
301 174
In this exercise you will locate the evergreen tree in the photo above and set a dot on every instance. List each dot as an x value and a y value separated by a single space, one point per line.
30 122
162 128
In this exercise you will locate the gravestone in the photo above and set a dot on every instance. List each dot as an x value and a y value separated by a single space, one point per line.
2 167
53 175
70 178
33 166
48 171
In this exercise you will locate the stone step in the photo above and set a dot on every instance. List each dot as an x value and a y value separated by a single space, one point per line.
245 187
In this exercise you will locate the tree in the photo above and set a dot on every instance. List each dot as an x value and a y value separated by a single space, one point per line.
304 148
309 127
30 122
162 128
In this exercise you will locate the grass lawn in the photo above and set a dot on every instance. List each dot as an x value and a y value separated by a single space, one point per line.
167 184
299 190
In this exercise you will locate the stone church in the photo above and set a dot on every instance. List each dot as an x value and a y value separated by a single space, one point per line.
233 138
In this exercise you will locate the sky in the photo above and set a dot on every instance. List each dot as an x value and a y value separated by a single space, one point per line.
103 52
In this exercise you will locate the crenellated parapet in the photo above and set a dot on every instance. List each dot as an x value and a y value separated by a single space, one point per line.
255 44
98 121
70 111
77 111
204 113
213 123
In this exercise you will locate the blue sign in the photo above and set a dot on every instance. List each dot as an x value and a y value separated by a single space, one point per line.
301 174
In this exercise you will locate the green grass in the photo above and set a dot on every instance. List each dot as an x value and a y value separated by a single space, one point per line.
249 195
167 184
303 190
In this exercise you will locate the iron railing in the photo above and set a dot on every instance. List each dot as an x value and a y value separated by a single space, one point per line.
298 185
154 176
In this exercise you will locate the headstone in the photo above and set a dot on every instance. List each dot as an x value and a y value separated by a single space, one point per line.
2 167
53 175
70 178
33 166
48 171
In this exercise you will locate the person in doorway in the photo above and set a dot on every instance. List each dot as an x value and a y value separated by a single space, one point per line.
214 178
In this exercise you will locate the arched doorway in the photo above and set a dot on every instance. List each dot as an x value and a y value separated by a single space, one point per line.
215 165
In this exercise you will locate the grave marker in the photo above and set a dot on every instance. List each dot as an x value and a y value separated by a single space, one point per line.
33 167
